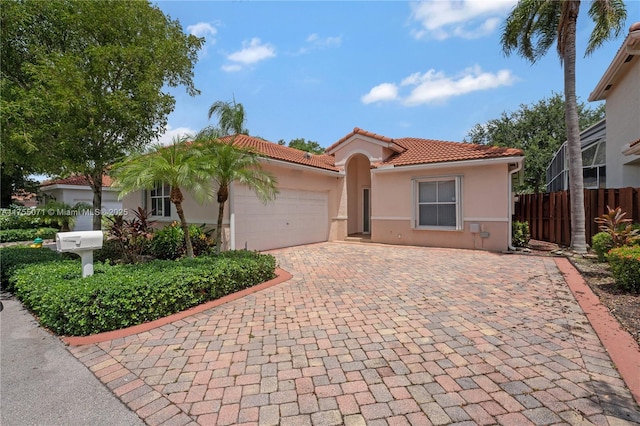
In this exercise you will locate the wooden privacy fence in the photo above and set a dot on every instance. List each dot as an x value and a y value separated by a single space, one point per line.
549 214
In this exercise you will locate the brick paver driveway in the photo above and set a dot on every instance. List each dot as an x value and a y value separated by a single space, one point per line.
368 334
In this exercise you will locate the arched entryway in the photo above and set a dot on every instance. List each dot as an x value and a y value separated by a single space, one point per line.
358 172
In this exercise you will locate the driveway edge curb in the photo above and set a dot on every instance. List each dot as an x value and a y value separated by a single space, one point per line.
281 276
622 348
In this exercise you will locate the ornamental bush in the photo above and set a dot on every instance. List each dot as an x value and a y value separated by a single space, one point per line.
601 243
118 296
168 242
521 235
625 267
13 235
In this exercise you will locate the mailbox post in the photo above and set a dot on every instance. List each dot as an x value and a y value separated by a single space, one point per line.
82 243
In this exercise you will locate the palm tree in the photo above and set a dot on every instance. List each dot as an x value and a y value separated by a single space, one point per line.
228 163
231 118
179 165
530 30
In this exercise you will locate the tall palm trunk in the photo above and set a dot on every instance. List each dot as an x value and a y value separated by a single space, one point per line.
223 196
576 185
177 198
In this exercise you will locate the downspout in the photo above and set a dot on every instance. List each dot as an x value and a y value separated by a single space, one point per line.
511 173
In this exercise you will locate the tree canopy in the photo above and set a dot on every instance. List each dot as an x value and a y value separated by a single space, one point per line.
304 145
538 129
84 83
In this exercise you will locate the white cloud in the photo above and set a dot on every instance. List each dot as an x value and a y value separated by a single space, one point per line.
171 133
315 42
380 93
202 29
467 19
324 43
435 86
252 52
206 30
231 68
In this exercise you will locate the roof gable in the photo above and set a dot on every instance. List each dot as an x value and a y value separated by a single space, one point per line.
368 136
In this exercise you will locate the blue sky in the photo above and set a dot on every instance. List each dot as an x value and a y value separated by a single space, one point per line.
316 70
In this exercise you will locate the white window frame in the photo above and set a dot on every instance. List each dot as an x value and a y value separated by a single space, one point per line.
165 193
415 220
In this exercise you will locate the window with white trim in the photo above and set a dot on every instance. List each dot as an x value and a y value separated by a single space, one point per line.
160 201
438 203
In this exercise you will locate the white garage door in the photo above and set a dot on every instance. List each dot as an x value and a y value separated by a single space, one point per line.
295 217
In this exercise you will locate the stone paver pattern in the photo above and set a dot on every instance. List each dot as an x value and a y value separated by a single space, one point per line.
377 335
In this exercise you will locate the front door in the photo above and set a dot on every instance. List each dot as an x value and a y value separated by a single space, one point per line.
366 210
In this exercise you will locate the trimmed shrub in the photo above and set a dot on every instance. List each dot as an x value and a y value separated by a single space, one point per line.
168 242
14 235
521 235
118 296
601 243
18 256
625 267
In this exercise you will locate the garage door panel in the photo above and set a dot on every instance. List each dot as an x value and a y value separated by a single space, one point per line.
295 217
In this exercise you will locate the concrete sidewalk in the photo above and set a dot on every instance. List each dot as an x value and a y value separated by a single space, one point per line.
41 383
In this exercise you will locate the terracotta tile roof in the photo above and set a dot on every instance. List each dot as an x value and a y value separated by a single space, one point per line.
77 180
284 153
427 151
359 131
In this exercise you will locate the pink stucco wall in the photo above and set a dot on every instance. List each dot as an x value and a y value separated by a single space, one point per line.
485 201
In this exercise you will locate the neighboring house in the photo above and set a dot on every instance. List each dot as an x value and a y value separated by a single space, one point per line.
593 141
399 191
619 87
76 189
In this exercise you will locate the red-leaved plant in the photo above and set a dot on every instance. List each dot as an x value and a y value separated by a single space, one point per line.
621 230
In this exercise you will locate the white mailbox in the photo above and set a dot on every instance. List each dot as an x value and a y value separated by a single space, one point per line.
82 243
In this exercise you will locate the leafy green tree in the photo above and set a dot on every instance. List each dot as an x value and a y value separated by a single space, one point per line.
180 165
538 129
228 163
84 83
531 28
304 145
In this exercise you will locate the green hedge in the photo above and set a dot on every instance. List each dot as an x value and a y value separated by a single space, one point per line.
13 235
625 267
17 256
119 296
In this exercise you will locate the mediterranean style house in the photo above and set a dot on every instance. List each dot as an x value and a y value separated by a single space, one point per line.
406 191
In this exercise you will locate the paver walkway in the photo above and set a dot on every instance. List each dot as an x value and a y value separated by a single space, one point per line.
368 334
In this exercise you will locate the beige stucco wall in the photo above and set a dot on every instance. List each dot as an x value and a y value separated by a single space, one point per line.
300 178
623 127
485 201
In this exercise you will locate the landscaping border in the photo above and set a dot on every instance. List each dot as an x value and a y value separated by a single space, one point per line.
281 276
